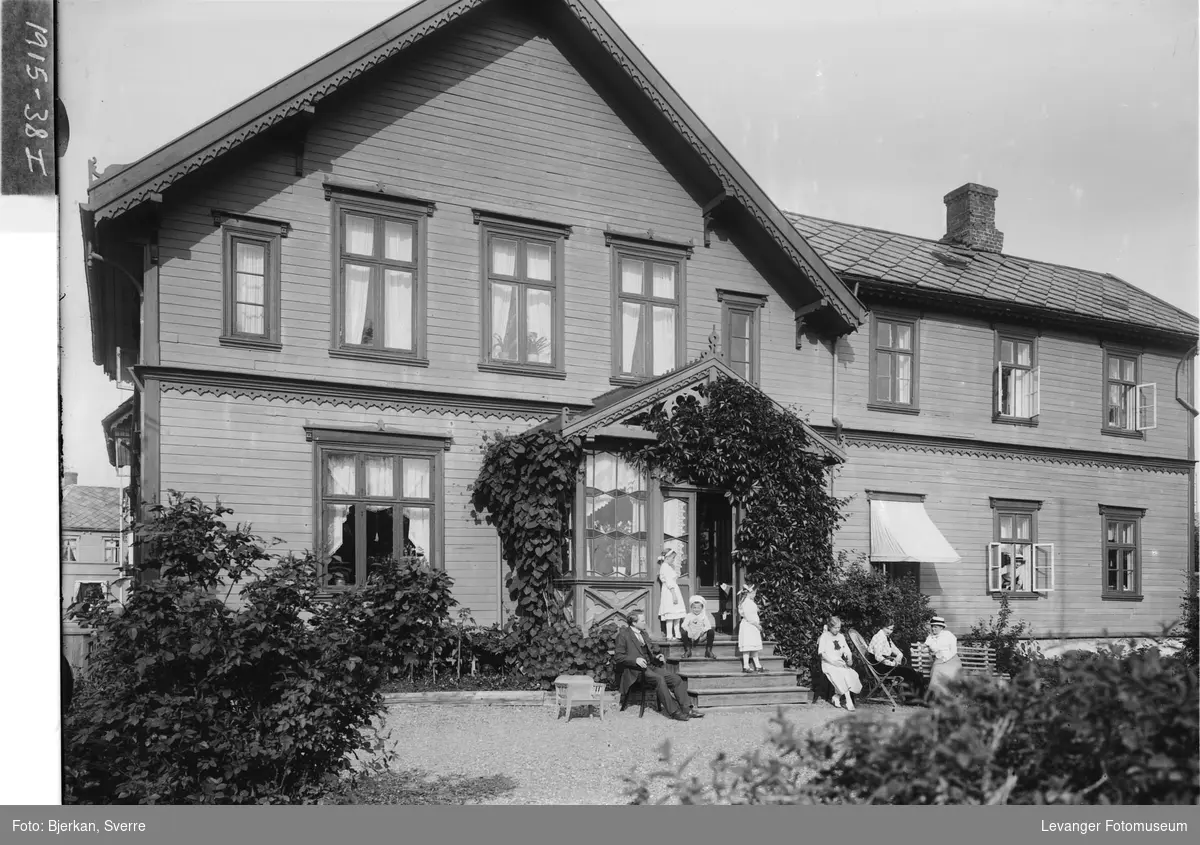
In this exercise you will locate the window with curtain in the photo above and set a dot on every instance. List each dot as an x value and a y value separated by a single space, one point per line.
251 290
111 548
647 324
894 363
378 267
522 287
1018 378
70 549
614 515
1129 407
374 506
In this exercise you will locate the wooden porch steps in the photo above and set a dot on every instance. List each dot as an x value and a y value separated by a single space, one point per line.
721 682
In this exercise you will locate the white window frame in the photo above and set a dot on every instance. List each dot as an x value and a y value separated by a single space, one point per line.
1144 408
79 584
73 544
115 544
1040 573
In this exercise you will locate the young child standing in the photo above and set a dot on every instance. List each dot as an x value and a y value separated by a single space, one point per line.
749 630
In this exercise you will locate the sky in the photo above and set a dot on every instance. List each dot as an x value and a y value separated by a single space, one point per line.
1081 113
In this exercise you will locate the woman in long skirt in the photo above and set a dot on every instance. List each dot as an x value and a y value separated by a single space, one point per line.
835 663
943 646
671 608
749 630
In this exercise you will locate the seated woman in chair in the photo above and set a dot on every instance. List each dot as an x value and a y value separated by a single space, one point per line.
835 663
887 659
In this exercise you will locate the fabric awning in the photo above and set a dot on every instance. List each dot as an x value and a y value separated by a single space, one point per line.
902 532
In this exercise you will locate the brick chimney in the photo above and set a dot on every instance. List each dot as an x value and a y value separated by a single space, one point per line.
971 218
70 479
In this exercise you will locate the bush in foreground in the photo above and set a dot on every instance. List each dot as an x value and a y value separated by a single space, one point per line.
190 698
1098 729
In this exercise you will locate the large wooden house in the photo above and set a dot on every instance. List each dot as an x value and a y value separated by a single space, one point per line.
488 215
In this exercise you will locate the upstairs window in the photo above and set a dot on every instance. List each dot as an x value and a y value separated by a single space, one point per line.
112 548
379 275
70 549
648 330
894 363
739 320
251 249
1018 378
523 314
1129 407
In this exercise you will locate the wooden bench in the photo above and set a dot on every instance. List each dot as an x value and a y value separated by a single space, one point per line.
976 660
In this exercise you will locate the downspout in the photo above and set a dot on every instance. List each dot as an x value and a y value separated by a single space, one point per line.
1185 362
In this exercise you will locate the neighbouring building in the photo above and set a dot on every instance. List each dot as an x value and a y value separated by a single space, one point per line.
486 216
90 553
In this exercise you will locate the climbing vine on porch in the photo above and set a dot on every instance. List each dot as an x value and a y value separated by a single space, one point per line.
526 489
731 436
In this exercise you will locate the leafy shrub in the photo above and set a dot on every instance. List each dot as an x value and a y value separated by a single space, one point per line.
865 598
1188 627
1008 641
192 699
1102 728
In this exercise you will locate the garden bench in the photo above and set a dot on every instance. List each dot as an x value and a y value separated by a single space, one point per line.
976 660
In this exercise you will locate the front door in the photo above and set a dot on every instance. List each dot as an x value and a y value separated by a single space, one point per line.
698 525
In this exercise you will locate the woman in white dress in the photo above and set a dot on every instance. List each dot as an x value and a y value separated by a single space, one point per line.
749 630
943 646
671 608
835 663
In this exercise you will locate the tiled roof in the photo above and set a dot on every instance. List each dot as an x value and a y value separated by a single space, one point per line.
91 508
927 265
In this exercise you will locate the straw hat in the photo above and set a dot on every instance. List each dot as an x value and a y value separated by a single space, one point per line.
937 622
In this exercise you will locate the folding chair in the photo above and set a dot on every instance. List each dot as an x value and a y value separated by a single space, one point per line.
876 682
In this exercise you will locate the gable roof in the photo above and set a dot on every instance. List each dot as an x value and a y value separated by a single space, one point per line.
91 508
610 408
121 189
922 265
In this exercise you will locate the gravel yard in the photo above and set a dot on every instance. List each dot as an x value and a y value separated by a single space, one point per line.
583 761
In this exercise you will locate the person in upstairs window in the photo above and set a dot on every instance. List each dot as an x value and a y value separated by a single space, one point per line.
698 625
835 663
888 659
943 649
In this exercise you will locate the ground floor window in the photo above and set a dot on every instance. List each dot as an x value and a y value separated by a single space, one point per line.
1122 536
376 501
91 594
614 517
1017 563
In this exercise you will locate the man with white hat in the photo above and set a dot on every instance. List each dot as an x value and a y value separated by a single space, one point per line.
696 625
943 646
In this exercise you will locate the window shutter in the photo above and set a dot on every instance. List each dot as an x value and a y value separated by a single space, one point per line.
1147 406
993 567
1034 383
1000 388
1043 567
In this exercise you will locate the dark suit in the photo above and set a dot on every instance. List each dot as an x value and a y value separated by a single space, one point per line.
672 689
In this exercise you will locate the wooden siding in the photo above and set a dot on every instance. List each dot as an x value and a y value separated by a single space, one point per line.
252 453
957 392
957 490
498 118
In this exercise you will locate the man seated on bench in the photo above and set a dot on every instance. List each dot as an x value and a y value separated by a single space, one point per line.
887 659
632 654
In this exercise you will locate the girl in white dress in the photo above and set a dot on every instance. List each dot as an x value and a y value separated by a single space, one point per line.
835 663
749 630
670 601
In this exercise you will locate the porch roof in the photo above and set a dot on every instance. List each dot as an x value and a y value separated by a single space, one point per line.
902 532
611 409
